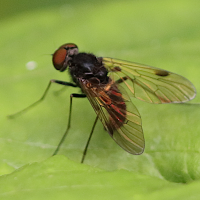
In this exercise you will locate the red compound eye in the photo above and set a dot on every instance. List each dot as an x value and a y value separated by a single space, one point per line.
63 54
59 58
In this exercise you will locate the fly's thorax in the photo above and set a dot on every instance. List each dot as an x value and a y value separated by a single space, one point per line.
88 66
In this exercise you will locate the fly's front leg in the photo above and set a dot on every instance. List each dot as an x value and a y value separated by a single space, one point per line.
69 121
43 96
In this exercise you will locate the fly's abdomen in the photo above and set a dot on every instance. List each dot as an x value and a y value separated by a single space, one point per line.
117 106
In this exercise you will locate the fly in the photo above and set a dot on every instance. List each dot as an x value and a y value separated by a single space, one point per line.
108 84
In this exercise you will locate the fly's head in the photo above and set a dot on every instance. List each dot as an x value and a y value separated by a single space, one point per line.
63 55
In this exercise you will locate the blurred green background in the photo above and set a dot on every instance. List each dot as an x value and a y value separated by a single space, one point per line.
163 34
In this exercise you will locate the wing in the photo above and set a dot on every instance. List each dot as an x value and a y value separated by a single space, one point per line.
150 84
119 116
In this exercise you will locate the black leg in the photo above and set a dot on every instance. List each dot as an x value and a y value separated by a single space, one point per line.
86 146
69 121
58 92
64 83
43 96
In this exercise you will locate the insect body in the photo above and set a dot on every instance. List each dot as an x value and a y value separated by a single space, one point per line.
109 83
104 80
115 110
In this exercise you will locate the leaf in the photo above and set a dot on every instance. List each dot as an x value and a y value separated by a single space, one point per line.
148 32
58 177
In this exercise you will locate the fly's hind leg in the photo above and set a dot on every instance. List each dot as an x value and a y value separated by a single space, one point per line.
87 144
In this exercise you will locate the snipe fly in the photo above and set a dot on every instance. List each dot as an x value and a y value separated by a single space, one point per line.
108 84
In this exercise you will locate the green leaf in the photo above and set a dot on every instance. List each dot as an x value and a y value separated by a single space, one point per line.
61 178
157 33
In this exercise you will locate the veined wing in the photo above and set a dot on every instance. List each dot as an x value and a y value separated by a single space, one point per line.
150 84
118 115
